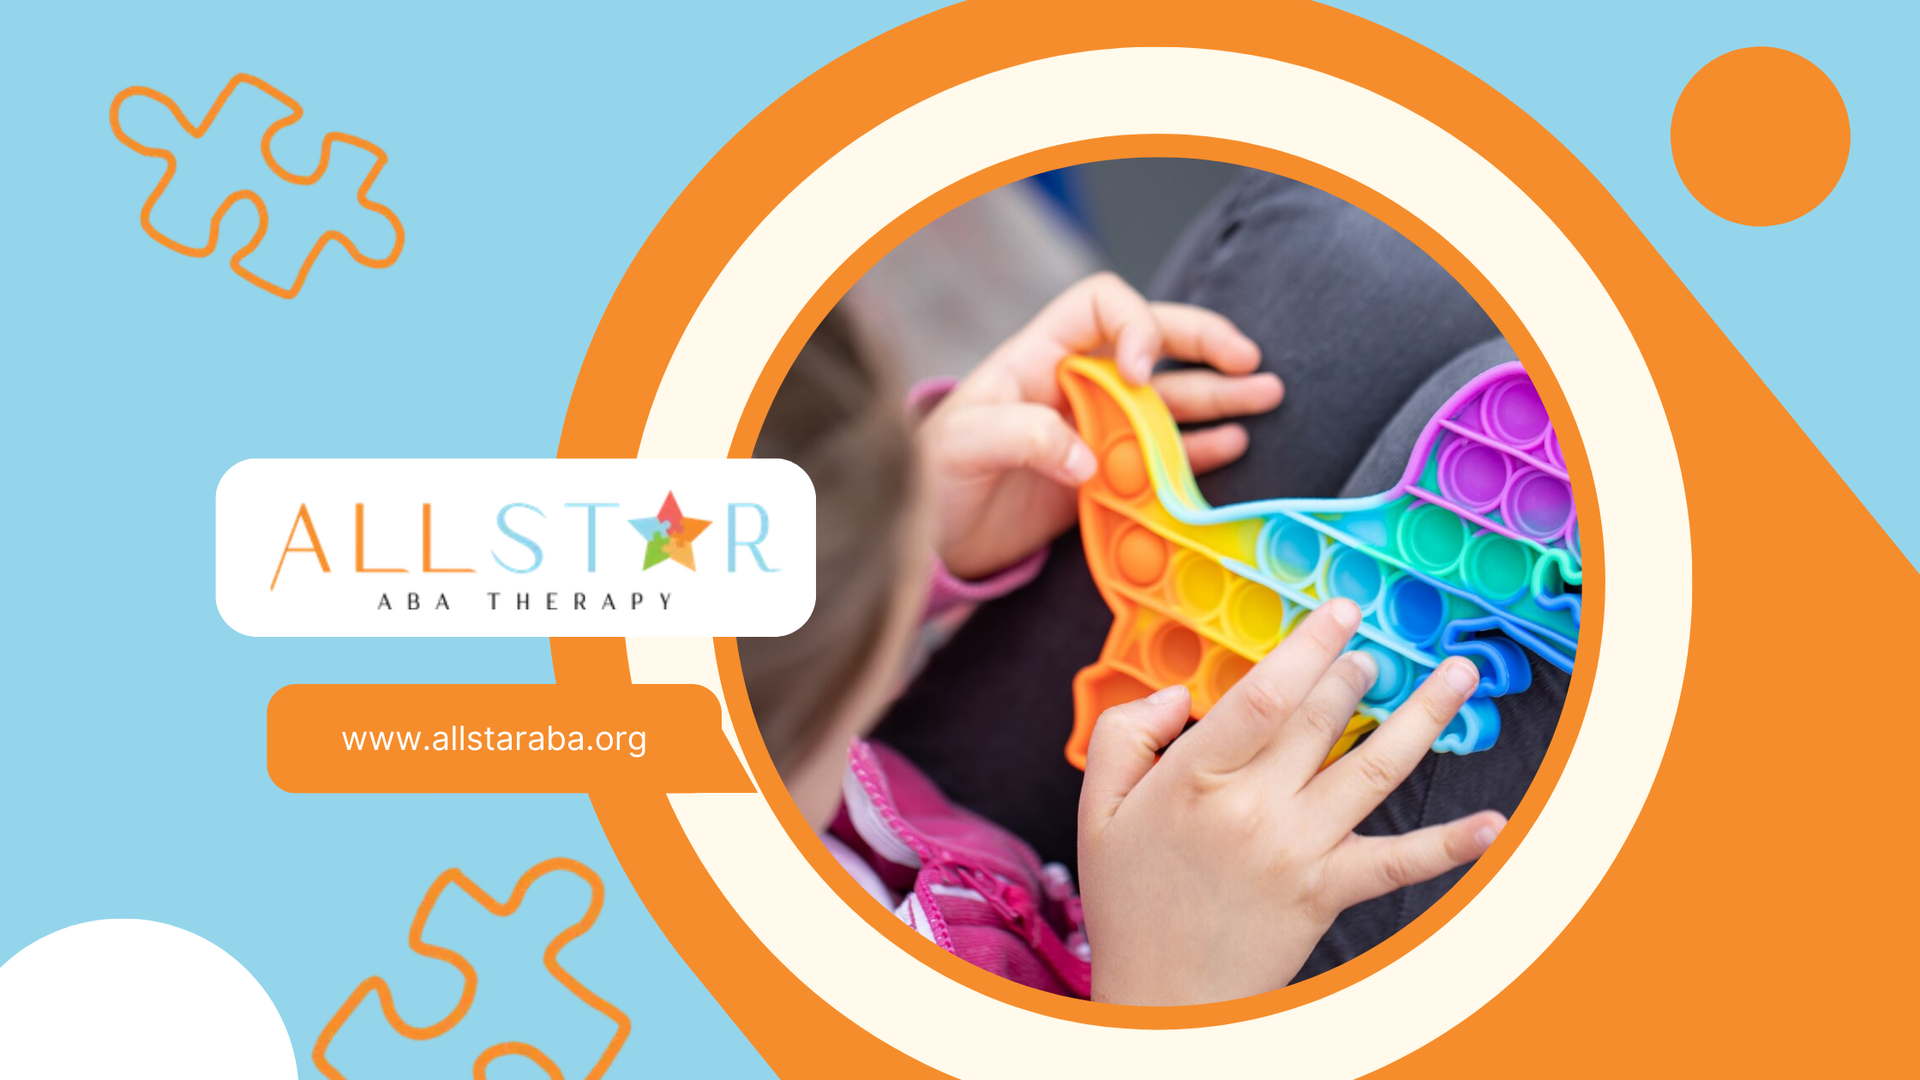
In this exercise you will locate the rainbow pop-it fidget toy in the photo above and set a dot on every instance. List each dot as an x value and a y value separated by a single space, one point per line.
1475 553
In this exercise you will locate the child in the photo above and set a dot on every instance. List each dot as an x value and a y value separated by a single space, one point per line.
1209 866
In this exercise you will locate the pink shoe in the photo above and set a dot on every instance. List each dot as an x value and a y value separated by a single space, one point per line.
971 887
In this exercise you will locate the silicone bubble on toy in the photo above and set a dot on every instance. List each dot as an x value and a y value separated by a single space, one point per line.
1475 553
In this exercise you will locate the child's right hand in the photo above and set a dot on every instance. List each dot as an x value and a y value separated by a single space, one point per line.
1211 874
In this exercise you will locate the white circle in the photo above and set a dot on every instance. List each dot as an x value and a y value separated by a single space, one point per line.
1491 222
127 997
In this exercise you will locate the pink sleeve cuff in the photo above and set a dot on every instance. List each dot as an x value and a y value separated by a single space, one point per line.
945 591
928 393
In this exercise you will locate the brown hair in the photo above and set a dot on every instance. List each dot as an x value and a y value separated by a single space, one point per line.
840 416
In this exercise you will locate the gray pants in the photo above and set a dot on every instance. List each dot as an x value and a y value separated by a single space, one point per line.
1371 337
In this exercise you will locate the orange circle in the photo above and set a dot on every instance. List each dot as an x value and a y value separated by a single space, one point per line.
1142 556
1125 469
1760 136
1228 669
625 362
1173 654
789 1022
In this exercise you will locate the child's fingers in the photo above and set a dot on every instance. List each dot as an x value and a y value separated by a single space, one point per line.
1194 333
1210 448
1197 395
1104 316
1363 867
989 439
1123 318
1101 315
1350 788
1247 717
1126 739
1309 734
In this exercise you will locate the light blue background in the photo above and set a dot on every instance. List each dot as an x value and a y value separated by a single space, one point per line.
532 151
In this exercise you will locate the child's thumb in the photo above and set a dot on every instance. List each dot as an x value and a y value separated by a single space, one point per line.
1023 435
1126 741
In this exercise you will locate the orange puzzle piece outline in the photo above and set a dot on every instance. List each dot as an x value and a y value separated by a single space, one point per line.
470 979
259 204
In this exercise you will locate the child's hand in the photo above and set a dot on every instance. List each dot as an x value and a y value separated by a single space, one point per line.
1003 458
1211 874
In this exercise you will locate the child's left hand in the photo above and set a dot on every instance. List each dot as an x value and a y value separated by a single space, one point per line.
1001 455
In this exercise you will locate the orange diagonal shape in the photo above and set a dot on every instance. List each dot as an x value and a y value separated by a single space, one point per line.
266 153
471 980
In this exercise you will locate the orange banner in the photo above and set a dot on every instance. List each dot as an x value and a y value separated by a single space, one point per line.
637 740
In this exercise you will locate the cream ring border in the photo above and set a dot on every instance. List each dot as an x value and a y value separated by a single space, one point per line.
1636 472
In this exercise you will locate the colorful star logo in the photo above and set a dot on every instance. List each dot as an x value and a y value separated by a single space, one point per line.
669 534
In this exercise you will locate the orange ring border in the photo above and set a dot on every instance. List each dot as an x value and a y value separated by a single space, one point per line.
785 143
761 765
